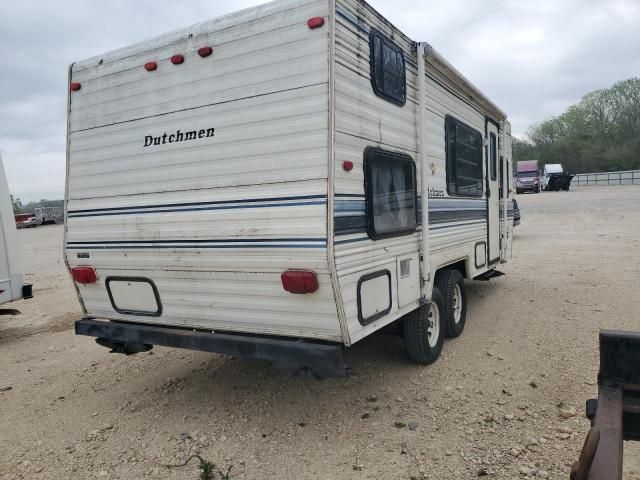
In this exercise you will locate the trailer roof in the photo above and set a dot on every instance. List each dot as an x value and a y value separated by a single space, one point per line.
433 58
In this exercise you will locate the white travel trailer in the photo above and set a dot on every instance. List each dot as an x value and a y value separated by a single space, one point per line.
257 185
12 284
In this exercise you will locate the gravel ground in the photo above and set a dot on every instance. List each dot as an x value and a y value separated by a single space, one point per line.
488 407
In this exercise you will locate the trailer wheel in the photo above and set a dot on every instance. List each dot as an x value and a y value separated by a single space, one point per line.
451 284
424 331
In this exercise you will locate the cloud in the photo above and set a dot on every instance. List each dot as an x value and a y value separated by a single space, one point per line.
531 57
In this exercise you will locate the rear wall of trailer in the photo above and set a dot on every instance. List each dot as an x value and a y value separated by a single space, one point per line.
213 219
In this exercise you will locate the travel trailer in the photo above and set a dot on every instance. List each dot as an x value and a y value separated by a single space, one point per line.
280 183
528 176
12 284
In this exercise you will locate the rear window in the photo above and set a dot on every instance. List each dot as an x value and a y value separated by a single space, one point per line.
388 77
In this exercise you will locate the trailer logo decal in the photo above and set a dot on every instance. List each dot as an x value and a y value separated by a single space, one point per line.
178 136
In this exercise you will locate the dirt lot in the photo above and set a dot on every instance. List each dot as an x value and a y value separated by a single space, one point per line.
488 407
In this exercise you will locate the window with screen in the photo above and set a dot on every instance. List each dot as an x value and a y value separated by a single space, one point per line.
388 77
464 159
390 193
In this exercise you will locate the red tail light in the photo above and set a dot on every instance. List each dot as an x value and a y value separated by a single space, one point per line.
315 22
205 51
347 166
150 66
75 87
299 281
84 274
177 59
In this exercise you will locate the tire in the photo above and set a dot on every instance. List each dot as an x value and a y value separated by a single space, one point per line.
423 341
451 284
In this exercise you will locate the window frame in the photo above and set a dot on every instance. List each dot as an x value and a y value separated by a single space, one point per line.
379 90
369 158
451 162
493 156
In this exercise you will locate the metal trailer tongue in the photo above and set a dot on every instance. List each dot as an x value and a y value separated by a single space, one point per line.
615 415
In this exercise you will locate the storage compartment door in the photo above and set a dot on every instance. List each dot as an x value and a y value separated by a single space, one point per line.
408 275
134 296
374 296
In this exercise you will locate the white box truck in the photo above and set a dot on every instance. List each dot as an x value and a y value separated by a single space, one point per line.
281 183
12 283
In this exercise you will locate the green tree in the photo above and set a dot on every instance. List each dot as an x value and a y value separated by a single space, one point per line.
599 133
16 204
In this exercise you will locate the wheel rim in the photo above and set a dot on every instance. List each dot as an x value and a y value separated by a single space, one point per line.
456 302
433 324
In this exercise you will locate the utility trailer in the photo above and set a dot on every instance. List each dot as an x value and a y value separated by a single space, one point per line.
281 183
49 215
554 178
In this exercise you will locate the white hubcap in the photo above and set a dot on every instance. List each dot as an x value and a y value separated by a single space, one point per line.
433 324
457 303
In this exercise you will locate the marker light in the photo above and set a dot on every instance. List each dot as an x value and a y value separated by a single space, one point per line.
205 51
84 274
315 22
299 281
150 66
177 59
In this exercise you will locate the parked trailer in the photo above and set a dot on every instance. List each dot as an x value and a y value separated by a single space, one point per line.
49 215
257 185
554 178
12 284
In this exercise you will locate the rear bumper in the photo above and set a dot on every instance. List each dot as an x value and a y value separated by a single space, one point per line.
322 358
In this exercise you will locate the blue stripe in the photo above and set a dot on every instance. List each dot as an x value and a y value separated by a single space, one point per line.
233 240
197 243
192 204
440 227
166 210
124 247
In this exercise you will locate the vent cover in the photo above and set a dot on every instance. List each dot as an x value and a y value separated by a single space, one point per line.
405 267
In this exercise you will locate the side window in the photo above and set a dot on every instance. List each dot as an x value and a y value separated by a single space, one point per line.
388 75
493 156
390 193
464 158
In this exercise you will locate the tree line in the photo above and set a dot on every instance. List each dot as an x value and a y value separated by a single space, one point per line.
19 207
600 133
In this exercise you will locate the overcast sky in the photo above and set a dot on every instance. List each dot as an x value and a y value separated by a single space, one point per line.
531 57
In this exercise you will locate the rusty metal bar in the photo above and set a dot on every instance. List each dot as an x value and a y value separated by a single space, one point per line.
607 463
615 415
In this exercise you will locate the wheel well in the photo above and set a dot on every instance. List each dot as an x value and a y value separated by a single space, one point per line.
460 265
